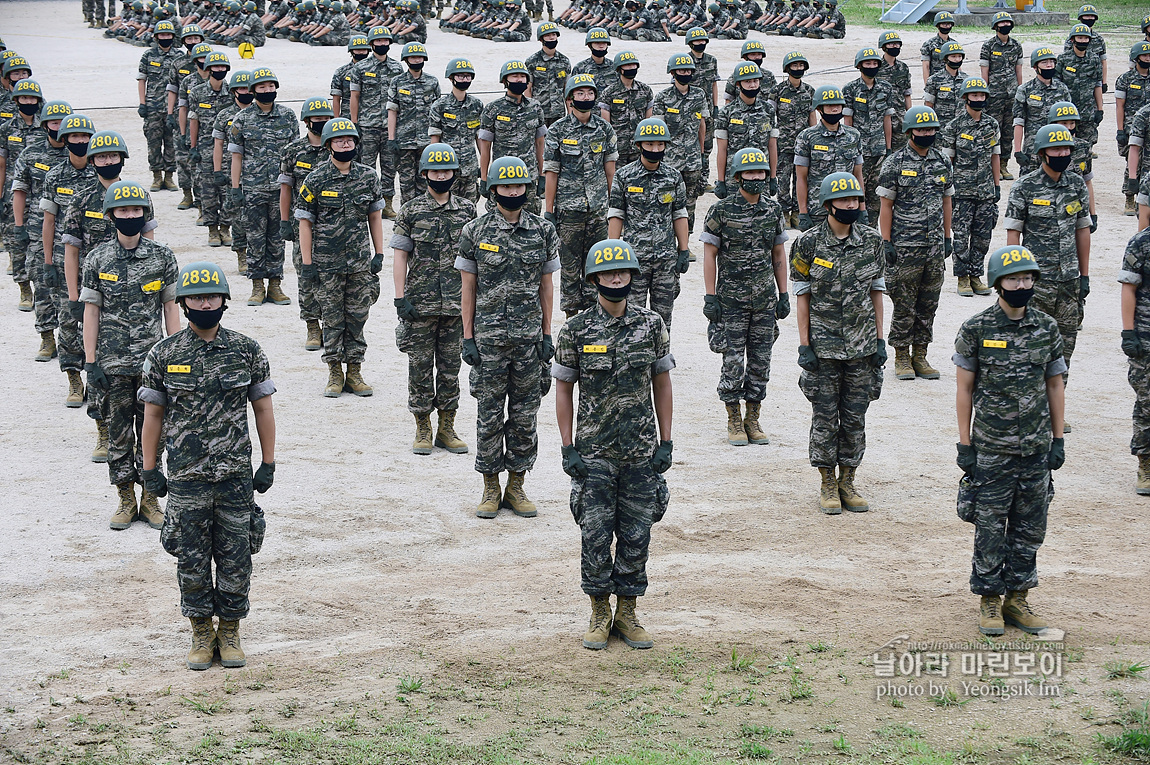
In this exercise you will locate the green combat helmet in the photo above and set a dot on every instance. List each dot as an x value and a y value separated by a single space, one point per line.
202 278
609 255
507 171
952 48
358 42
546 28
946 17
888 37
751 46
867 54
629 57
694 34
55 110
597 34
652 129
1140 48
107 142
459 66
1014 259
795 57
76 124
438 156
379 33
839 186
1062 111
316 107
750 158
828 95
681 61
747 70
1051 137
973 85
413 49
584 80
1042 54
263 74
919 117
336 128
241 78
28 87
512 67
126 194
1000 17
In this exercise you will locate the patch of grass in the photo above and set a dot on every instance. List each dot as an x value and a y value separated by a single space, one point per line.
819 647
841 745
741 662
1120 668
753 750
898 732
765 732
204 707
798 689
408 684
948 698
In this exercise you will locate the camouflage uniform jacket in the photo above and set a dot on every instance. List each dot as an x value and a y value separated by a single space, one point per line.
371 78
1136 270
614 361
682 112
706 75
766 83
1138 131
1011 361
1049 213
548 80
867 107
85 225
1097 45
260 139
509 261
839 275
341 86
792 111
579 154
1080 75
411 98
824 152
1134 90
745 125
16 137
178 67
970 144
221 130
456 124
205 389
28 176
300 158
916 185
430 233
63 184
203 106
155 72
602 72
337 205
184 90
942 93
649 202
745 235
627 106
897 75
7 106
512 126
130 288
1001 62
1032 102
931 51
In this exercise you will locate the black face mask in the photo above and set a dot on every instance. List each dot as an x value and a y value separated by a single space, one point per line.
345 156
923 141
462 84
1017 298
629 73
316 128
582 106
832 119
977 105
165 44
510 203
1088 22
109 172
893 51
953 66
753 187
266 98
218 76
550 44
381 50
190 46
129 226
751 93
245 98
518 88
699 47
1059 164
78 149
1081 47
797 72
614 294
416 66
845 216
205 319
869 71
359 55
441 187
598 54
53 134
945 29
684 79
1046 72
29 110
1005 29
652 156
1141 65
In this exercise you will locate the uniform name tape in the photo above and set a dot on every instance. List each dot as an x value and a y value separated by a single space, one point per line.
824 263
993 343
179 368
594 349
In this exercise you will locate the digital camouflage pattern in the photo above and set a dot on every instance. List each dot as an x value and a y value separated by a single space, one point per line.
824 152
548 81
1134 90
1136 270
1032 102
123 415
456 124
156 72
931 51
867 108
371 78
601 72
792 112
1001 60
767 83
260 138
16 137
431 235
507 387
897 75
627 107
1016 491
341 87
744 126
840 393
942 94
231 214
28 175
706 74
204 108
916 185
682 112
63 185
1138 130
1081 75
411 98
184 102
300 158
970 144
1048 213
512 126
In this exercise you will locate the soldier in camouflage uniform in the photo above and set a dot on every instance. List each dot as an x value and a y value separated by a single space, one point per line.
513 126
152 79
647 206
427 298
337 201
1048 212
506 258
754 52
409 97
240 88
792 100
1001 62
195 391
870 109
179 67
943 86
1135 279
1131 93
300 158
897 75
454 119
683 108
17 135
128 285
1066 114
624 101
824 148
838 280
1087 17
579 158
746 293
747 121
205 101
370 81
1081 72
598 41
257 140
1137 156
1009 373
916 185
359 49
549 69
932 50
1031 103
179 100
705 78
620 355
970 142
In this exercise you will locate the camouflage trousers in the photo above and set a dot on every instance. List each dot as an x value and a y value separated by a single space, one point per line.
626 157
94 9
466 186
871 166
1012 495
1087 130
658 278
308 302
70 338
411 183
432 345
840 393
1031 164
536 6
972 225
694 181
235 216
708 147
1001 107
7 232
344 302
617 502
373 148
1139 378
508 36
45 307
742 334
1062 301
788 193
210 195
578 232
506 384
123 413
206 521
185 174
265 245
161 141
914 285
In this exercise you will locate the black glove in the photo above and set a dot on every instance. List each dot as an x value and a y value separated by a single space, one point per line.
805 221
265 474
377 263
546 349
550 216
947 246
52 278
236 197
76 308
1130 186
540 186
573 464
997 193
287 233
1105 87
864 217
711 308
1120 136
1093 222
470 351
1083 287
807 358
392 146
878 358
173 122
220 177
683 261
1021 158
20 236
773 186
155 483
891 254
142 110
1099 115
967 458
309 271
194 155
405 310
721 189
662 459
714 111
1132 344
1057 455
783 307
96 377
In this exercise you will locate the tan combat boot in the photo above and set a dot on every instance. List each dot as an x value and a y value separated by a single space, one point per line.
849 498
314 339
150 511
75 397
126 512
200 219
921 366
187 202
446 437
1143 484
489 505
27 298
388 210
214 235
157 181
599 629
47 350
275 294
829 501
242 261
1017 612
423 436
1131 206
170 183
755 433
334 387
259 294
228 641
225 235
515 498
979 286
626 624
964 288
354 381
990 616
1005 173
736 435
100 453
203 643
902 368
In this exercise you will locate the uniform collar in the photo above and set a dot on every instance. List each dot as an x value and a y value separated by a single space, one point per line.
629 314
828 238
1002 320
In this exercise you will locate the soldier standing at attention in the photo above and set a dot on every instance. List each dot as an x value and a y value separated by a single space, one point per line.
359 49
579 158
1135 279
897 75
179 99
624 101
932 50
683 107
152 80
205 101
240 87
513 126
1131 93
824 148
211 515
706 79
837 275
370 81
129 284
427 298
549 69
409 97
454 120
916 186
336 202
792 100
1032 101
620 355
745 293
1001 63
747 121
1088 17
180 66
506 257
870 110
754 52
1009 369
598 42
257 142
943 86
1081 71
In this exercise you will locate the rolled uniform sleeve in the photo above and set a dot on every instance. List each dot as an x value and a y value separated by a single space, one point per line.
401 233
90 284
551 161
152 389
1015 217
465 260
664 361
305 204
966 350
617 200
712 227
551 241
261 385
680 201
887 181
800 271
565 366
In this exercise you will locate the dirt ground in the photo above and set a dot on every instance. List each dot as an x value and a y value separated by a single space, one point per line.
389 624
